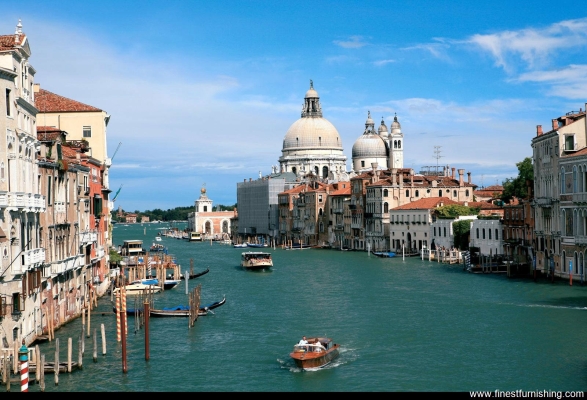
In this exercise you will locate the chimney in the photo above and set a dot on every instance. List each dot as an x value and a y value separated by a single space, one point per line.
411 177
554 124
469 177
36 88
538 130
453 172
393 176
461 177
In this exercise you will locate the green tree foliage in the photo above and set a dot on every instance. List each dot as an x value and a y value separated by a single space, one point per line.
461 230
115 258
173 214
517 187
455 210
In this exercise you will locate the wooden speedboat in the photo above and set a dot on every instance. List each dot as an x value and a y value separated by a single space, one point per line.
319 352
256 260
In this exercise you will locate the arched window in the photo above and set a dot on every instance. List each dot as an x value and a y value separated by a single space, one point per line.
407 193
496 234
395 144
575 183
440 193
454 193
467 192
385 193
324 172
294 170
477 233
316 171
399 144
562 181
489 232
483 233
2 173
445 231
385 207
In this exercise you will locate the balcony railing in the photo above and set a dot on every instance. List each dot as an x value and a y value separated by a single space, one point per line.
29 259
60 267
88 237
580 197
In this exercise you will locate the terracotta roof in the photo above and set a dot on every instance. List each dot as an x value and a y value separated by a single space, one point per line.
427 203
45 133
483 205
581 152
7 42
341 192
48 102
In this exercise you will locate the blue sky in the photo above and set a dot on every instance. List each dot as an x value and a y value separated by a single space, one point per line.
203 92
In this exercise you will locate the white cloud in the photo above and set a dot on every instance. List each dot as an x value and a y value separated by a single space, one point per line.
381 63
535 46
437 50
569 82
354 42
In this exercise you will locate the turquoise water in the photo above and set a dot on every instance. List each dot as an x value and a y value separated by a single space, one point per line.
403 325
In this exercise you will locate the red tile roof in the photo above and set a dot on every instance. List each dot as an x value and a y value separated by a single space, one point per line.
45 133
47 102
7 42
427 203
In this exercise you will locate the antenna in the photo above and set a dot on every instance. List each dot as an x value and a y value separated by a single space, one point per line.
437 156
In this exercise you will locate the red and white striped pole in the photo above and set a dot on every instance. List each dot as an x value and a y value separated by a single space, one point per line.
24 367
118 311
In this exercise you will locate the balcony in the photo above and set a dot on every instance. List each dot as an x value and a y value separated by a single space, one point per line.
68 264
22 201
543 201
29 260
337 210
579 197
87 237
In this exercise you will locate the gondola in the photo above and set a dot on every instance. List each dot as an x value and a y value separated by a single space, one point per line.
184 311
179 311
192 276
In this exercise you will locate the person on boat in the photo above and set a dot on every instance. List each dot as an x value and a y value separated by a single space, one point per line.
303 342
318 347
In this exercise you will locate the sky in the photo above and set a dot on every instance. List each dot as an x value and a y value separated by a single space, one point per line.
202 93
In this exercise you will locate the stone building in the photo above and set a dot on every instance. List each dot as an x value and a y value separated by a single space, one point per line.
213 225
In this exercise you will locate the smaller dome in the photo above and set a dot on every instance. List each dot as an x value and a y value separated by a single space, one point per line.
369 146
395 126
311 94
383 128
369 121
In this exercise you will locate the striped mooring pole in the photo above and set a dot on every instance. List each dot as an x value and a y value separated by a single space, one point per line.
24 367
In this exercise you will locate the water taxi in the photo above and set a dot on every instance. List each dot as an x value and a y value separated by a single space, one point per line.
256 260
316 353
195 237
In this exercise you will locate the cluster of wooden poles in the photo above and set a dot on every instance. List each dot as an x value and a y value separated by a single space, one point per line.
10 365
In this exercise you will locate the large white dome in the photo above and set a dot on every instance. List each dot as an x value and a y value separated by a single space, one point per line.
312 133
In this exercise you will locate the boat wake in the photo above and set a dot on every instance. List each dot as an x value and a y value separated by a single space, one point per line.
546 306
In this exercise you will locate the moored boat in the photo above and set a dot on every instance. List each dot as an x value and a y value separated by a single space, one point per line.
139 288
384 254
256 260
317 353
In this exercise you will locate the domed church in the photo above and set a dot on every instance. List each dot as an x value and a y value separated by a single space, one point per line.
312 144
382 147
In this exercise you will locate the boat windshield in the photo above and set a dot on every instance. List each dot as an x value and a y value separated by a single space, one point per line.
316 347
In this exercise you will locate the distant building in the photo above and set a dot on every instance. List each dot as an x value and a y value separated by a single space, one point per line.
215 225
130 218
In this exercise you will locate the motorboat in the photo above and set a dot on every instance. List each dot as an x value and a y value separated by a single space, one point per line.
167 284
384 254
239 245
139 288
256 260
316 353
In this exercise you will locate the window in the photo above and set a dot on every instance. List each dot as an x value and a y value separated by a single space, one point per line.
483 233
8 108
489 231
87 131
440 193
49 190
496 236
417 193
407 193
362 163
477 233
385 193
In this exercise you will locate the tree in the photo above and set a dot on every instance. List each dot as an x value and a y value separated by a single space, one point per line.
461 230
455 210
517 187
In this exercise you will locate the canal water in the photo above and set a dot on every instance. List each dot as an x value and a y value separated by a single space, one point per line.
403 325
